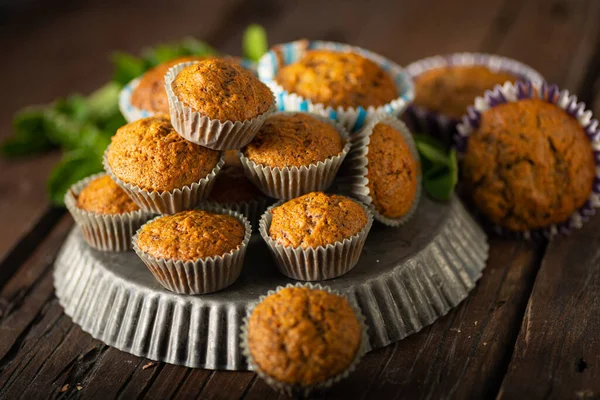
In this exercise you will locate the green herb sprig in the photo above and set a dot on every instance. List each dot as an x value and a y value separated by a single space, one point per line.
439 167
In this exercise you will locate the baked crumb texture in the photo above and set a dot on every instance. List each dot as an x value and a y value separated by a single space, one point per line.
103 196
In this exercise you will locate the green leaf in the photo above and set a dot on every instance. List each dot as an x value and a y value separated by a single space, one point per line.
127 67
74 166
440 167
432 152
195 47
103 103
29 134
254 42
440 187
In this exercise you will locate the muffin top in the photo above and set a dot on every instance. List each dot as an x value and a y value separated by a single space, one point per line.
103 196
232 186
316 219
303 336
338 80
392 172
528 165
149 153
220 89
450 90
150 93
190 235
294 140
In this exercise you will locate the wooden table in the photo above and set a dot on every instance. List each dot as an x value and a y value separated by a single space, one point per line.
531 327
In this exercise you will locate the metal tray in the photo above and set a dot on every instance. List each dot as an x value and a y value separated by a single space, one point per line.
406 278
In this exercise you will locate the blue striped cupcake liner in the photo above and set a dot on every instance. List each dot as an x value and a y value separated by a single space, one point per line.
352 118
551 93
442 126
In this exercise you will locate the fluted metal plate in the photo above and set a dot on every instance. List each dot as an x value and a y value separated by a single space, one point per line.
406 278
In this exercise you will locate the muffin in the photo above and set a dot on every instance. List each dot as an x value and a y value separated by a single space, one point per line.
383 170
316 236
446 85
295 153
160 170
106 215
302 338
217 103
338 81
194 251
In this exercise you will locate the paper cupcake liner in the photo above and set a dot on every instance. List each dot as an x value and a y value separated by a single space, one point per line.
320 263
129 111
252 210
207 132
168 202
298 391
104 232
444 127
289 182
351 118
353 181
202 276
526 90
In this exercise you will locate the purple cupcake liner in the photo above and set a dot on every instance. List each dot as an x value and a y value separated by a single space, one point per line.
441 126
551 93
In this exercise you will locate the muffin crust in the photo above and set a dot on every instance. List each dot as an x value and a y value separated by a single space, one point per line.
392 172
303 336
316 219
528 165
338 80
103 196
294 140
149 153
190 235
222 90
450 90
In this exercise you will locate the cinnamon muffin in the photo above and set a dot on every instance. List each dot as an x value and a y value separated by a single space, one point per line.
338 79
294 140
300 337
392 172
103 196
222 90
316 219
450 90
149 154
528 165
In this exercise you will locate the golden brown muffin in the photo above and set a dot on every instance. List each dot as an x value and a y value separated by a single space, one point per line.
338 80
316 219
222 90
528 165
190 235
450 90
392 172
294 140
303 336
232 186
150 93
103 196
149 153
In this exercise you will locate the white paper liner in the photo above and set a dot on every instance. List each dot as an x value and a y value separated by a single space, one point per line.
354 180
318 263
201 276
298 391
351 118
440 125
168 202
527 90
252 210
289 182
207 132
104 232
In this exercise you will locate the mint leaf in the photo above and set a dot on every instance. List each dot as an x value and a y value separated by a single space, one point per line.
439 167
127 67
254 42
74 166
29 135
439 187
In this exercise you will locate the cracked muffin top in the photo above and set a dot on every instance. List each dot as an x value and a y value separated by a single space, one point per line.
450 90
528 165
220 89
294 140
303 336
150 154
150 93
392 172
190 235
316 219
103 196
338 80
